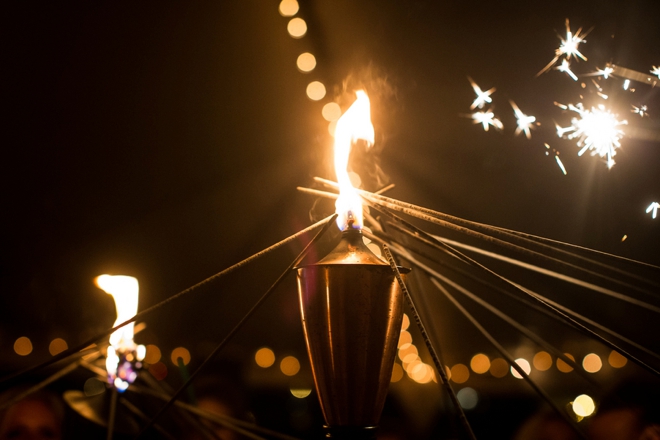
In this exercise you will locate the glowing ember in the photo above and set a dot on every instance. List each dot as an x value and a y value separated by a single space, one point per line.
524 122
596 130
486 119
353 125
568 48
123 353
482 97
653 209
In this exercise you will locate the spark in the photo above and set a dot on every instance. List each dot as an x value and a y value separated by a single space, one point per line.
525 122
641 110
482 97
561 165
653 207
568 48
626 84
595 129
605 73
486 119
655 71
565 66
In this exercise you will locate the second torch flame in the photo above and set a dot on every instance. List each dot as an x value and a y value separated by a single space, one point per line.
355 124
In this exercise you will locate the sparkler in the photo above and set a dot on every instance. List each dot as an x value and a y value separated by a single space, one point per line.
653 209
525 122
482 97
567 48
486 119
596 130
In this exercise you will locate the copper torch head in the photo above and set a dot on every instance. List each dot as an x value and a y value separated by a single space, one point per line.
352 308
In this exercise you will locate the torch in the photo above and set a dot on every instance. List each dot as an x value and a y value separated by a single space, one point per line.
351 307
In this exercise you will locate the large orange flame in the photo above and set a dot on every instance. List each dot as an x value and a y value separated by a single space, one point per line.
353 125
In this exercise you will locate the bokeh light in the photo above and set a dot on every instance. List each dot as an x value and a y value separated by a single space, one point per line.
23 346
404 339
331 112
467 398
617 360
56 346
153 354
315 90
480 363
289 8
158 370
264 357
405 322
300 393
460 373
563 366
297 27
499 367
592 363
583 405
522 363
421 373
306 62
542 361
408 354
397 373
290 366
180 353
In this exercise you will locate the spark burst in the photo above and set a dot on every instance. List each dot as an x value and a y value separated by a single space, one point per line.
641 110
565 66
596 130
486 119
655 71
605 73
525 122
567 48
482 97
653 209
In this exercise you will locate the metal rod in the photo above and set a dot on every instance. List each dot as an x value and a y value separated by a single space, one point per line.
72 351
329 221
436 359
506 355
113 412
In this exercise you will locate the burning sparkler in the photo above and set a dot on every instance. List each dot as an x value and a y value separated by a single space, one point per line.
525 122
482 97
568 48
124 356
596 130
486 119
653 208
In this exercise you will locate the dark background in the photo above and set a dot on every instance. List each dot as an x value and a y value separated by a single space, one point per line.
166 140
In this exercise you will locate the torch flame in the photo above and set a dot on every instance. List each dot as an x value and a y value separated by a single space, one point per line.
353 125
124 290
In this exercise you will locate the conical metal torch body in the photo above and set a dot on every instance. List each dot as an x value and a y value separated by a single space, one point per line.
352 308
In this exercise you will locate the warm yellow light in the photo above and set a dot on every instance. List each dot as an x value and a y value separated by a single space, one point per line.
300 393
592 363
124 290
542 361
297 27
480 363
583 405
404 339
460 373
397 373
153 354
289 8
57 345
306 62
616 360
264 357
407 352
290 366
499 367
331 111
180 353
563 366
353 125
315 90
421 373
522 363
23 346
405 322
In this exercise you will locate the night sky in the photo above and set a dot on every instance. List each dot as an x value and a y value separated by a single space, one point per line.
166 141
